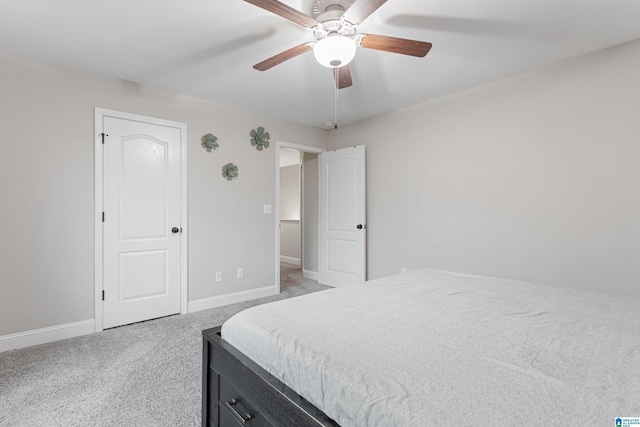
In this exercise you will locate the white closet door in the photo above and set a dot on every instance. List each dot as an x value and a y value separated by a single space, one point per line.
142 225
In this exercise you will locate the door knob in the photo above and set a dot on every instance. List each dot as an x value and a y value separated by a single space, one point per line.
359 226
174 230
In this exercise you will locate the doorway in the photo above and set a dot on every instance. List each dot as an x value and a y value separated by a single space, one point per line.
296 213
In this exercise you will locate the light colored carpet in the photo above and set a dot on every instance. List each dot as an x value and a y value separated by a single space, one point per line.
145 374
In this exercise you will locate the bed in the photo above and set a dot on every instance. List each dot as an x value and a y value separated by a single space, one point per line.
427 347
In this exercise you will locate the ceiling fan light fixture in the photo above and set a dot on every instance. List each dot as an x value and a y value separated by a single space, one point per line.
334 51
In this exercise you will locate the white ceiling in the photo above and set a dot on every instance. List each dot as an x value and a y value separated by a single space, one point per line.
206 48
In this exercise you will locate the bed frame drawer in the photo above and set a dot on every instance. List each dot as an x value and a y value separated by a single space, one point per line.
236 392
240 408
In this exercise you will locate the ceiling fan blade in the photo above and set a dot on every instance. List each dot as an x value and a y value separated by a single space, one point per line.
342 76
283 56
361 9
396 45
287 12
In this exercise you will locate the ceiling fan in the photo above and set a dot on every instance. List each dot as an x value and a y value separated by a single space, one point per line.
334 27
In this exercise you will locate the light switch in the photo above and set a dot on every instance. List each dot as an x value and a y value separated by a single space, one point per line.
267 209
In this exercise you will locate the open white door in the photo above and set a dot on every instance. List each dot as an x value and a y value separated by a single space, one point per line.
343 234
142 220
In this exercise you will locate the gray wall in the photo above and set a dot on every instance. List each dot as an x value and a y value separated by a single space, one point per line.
290 248
290 192
290 212
534 177
47 189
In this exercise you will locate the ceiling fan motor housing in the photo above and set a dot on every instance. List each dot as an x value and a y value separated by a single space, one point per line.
328 14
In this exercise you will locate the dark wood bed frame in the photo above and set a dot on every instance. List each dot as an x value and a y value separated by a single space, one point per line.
236 392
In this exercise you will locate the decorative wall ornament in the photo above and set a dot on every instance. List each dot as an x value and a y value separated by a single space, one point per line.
260 138
230 171
209 142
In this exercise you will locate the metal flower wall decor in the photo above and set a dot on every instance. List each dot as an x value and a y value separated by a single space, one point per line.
209 142
230 171
260 138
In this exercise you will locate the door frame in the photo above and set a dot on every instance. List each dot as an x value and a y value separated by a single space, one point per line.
304 149
100 114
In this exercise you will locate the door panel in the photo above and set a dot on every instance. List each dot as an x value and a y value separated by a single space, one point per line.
141 256
144 187
342 209
143 274
342 187
342 256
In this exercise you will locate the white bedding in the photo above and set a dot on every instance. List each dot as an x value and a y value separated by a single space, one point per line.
437 348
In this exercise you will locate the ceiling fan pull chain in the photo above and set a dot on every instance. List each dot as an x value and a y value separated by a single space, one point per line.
336 75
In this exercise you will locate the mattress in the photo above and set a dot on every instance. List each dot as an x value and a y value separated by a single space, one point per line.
432 347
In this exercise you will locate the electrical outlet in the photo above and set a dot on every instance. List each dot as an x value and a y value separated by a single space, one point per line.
403 270
218 276
240 273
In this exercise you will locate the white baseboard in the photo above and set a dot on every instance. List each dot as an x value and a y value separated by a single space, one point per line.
219 301
289 260
45 335
308 274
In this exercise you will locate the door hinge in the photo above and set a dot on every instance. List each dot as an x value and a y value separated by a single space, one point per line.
102 216
102 295
103 135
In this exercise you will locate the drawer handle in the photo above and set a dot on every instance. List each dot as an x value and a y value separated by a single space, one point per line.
231 406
